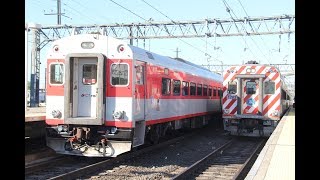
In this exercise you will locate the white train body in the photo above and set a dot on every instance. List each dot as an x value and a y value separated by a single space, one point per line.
105 97
254 99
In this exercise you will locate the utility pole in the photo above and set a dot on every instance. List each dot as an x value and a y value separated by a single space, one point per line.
58 12
177 51
35 65
26 67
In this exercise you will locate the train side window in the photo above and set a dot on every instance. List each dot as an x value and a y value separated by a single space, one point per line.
139 75
89 74
220 92
205 90
269 87
56 73
176 87
251 87
185 88
210 91
199 90
166 86
192 89
232 87
214 92
119 74
283 94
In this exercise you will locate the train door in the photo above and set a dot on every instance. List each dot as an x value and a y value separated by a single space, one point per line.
250 96
139 103
86 95
84 92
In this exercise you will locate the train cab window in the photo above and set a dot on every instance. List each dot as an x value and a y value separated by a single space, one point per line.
214 92
56 73
176 87
89 74
251 87
205 90
192 89
232 87
119 74
210 91
166 86
185 88
199 90
269 87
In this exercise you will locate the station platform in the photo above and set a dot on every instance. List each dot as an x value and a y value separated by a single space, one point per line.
35 122
35 114
277 158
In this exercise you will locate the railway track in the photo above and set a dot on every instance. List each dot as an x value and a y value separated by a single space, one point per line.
161 162
227 162
167 160
70 167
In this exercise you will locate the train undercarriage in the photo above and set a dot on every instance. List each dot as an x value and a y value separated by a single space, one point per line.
104 141
250 127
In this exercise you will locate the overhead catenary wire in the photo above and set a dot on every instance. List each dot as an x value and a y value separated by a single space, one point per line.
253 27
229 10
86 8
158 27
82 15
176 23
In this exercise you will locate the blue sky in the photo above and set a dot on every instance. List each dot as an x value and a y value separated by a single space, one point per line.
262 48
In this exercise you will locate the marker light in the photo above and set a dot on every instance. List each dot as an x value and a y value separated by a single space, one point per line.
87 45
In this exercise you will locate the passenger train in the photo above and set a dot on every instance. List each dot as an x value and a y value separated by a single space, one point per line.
255 97
106 97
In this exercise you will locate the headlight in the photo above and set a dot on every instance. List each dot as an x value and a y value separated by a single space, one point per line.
62 128
118 115
275 113
56 114
113 130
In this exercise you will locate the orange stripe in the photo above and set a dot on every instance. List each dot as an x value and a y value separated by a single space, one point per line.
260 70
238 72
278 85
276 99
246 98
230 104
234 110
265 99
275 76
255 111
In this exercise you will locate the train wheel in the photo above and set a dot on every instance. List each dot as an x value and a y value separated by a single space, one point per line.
153 135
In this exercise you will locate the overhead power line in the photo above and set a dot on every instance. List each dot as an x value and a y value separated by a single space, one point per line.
158 27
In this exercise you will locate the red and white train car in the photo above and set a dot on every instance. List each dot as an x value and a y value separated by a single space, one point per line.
105 97
254 99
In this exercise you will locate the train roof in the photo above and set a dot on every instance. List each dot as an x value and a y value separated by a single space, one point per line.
174 63
109 46
264 68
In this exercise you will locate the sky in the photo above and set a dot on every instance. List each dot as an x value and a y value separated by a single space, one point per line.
265 49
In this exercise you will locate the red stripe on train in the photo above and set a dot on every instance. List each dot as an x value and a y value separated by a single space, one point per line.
275 100
128 124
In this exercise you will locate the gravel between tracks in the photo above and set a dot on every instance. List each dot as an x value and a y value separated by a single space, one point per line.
166 162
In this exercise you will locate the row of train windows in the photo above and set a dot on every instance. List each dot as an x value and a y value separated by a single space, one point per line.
251 87
119 74
187 88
